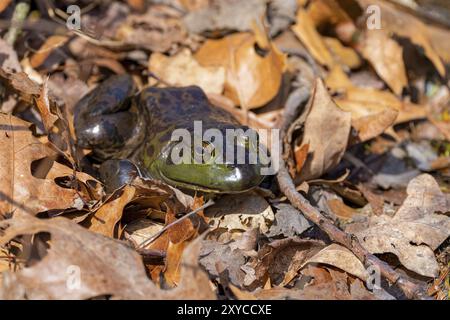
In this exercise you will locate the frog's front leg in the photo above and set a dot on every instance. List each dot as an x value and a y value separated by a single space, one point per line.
116 173
106 120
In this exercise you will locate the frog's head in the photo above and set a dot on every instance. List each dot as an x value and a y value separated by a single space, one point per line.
218 165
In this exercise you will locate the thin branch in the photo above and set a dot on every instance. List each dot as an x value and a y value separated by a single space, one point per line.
20 13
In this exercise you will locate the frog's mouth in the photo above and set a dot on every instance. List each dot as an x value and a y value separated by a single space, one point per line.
211 179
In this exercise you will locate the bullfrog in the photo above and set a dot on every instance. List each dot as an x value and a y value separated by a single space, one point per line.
132 133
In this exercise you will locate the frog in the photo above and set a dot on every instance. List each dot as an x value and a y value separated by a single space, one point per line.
131 133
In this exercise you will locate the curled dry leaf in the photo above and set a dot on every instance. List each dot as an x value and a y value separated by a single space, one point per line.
20 83
416 230
373 111
109 214
105 267
148 195
253 75
306 31
370 121
327 129
342 258
406 25
386 56
19 187
184 70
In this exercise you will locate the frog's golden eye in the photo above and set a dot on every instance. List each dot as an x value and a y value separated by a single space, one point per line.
209 148
204 154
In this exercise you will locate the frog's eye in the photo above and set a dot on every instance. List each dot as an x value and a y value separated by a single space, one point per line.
208 148
204 154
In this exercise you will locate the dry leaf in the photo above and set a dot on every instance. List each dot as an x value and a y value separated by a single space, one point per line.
406 25
105 267
214 255
340 209
109 214
386 56
50 44
173 262
324 291
289 222
225 14
373 111
326 11
20 83
342 258
327 129
300 154
253 78
179 235
369 119
69 90
337 80
4 4
19 188
241 294
43 105
306 31
439 40
138 5
158 29
344 55
416 229
184 70
240 212
280 261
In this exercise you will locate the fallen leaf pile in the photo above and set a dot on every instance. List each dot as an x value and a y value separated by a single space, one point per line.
369 148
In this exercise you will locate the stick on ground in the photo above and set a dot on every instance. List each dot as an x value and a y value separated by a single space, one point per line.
287 186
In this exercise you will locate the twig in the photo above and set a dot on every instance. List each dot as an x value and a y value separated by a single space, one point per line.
287 186
155 236
20 13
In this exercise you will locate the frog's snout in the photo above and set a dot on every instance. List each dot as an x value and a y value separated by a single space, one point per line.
225 176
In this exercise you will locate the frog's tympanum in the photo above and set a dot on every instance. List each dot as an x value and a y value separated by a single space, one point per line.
132 133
